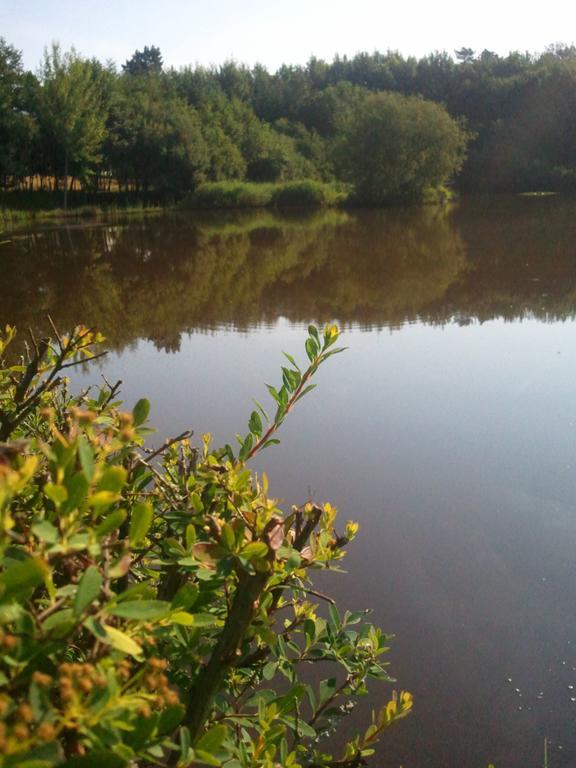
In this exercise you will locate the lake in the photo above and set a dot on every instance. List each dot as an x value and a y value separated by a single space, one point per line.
447 430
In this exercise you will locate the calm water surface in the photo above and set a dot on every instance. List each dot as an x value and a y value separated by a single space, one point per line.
447 429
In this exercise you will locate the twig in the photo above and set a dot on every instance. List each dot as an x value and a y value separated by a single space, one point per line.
317 594
151 454
52 609
53 326
81 362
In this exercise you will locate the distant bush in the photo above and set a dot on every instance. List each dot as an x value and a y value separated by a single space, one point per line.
243 194
230 194
155 604
439 195
394 148
307 194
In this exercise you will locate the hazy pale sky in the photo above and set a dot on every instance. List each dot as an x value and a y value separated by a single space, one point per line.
273 32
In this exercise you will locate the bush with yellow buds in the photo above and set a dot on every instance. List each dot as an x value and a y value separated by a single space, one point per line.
155 606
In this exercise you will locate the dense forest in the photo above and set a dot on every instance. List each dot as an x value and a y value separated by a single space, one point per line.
390 126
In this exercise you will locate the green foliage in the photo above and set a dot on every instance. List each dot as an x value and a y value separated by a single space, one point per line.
308 194
154 605
238 123
242 194
16 127
395 147
71 111
146 62
230 194
155 140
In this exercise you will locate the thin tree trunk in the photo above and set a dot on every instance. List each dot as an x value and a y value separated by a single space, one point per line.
66 180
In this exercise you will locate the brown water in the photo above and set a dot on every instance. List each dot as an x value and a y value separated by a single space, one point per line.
447 429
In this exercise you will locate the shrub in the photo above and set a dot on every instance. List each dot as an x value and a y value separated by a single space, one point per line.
245 194
394 147
230 194
155 605
307 194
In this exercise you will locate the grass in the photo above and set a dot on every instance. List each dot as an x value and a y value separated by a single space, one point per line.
12 217
244 194
21 209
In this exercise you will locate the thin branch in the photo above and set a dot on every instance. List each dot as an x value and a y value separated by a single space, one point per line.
151 454
81 362
53 326
317 594
52 609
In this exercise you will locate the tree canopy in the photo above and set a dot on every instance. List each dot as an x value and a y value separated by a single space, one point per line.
146 126
396 147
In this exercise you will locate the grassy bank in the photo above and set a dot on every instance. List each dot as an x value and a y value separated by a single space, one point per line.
13 217
18 209
242 194
22 207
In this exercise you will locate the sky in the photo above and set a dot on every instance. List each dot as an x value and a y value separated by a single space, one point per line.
270 32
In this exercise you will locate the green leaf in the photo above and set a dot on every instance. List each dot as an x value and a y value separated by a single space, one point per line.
113 479
185 597
110 523
141 411
313 331
77 487
273 392
305 391
212 740
170 718
141 591
19 580
101 500
38 757
255 424
122 642
141 610
141 521
190 536
334 616
310 631
269 670
45 531
311 349
255 550
261 409
228 539
65 617
227 451
246 447
88 589
86 455
143 732
56 493
306 730
205 758
291 360
195 619
327 689
185 742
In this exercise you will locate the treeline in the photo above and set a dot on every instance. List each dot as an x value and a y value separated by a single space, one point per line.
392 127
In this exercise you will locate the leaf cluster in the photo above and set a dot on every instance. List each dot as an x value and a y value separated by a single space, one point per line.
155 605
